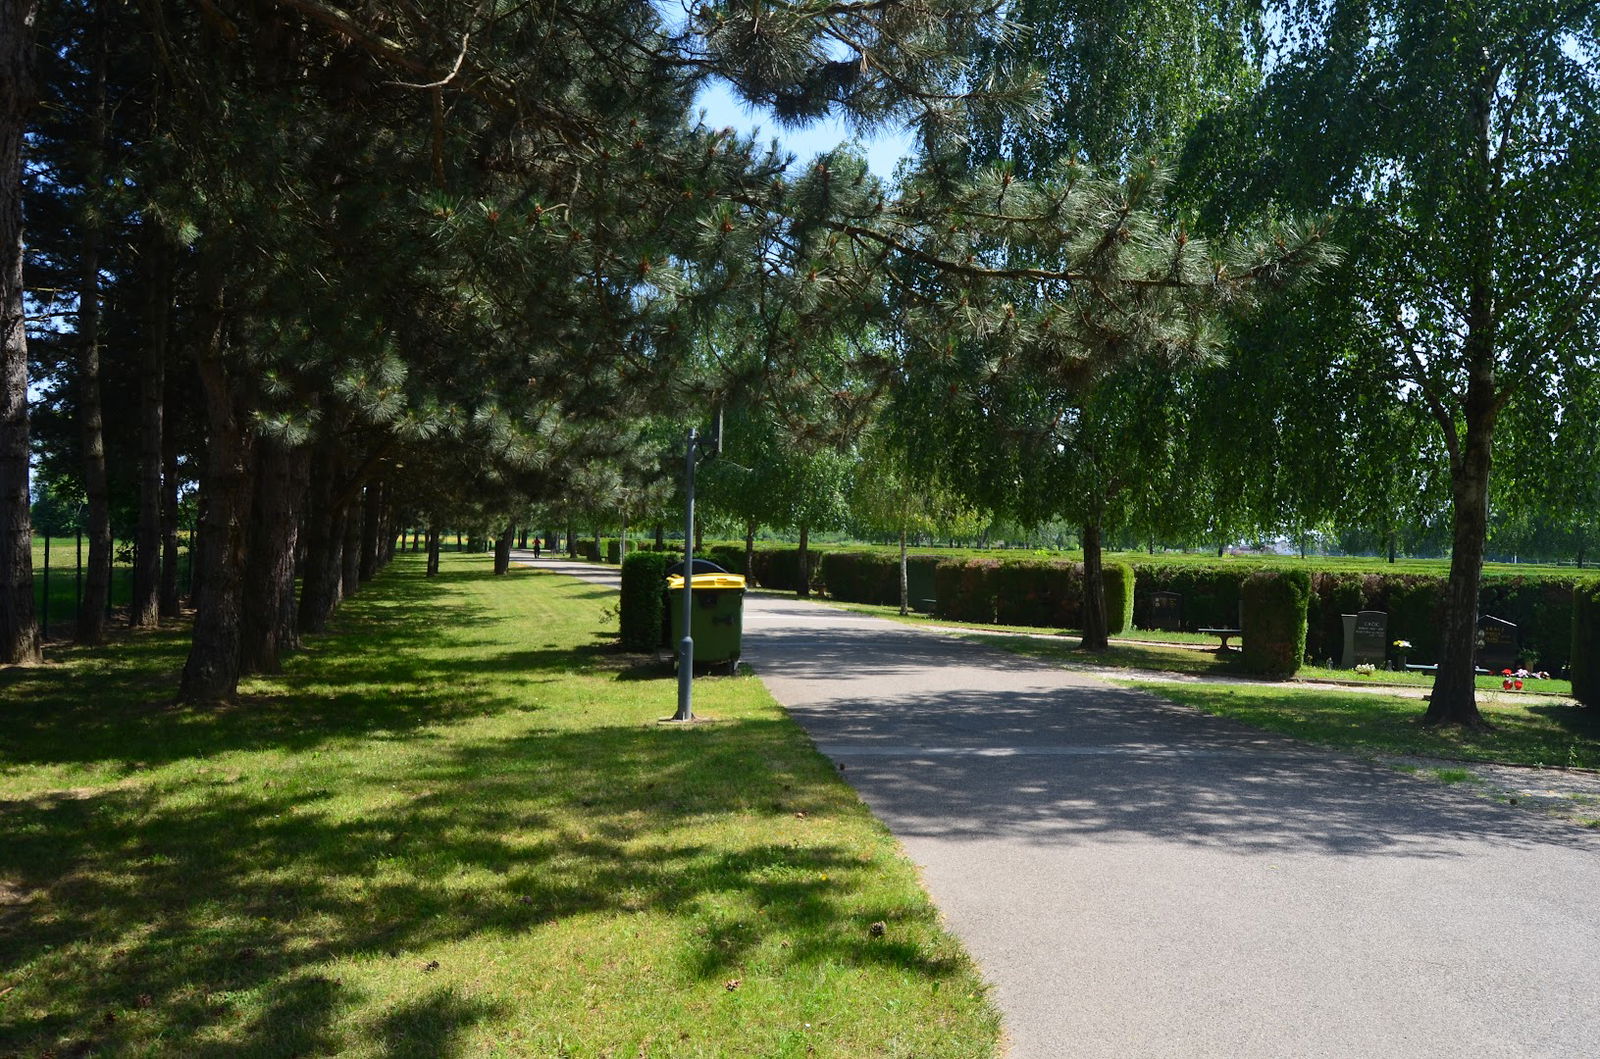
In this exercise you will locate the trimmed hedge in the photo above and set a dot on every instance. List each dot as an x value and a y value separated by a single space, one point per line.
1043 593
1118 579
964 590
1540 606
779 568
1586 643
862 577
728 556
1273 619
644 599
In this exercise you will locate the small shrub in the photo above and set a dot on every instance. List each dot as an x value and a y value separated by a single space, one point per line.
644 599
1273 613
1118 581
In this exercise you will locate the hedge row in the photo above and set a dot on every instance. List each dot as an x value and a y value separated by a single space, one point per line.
779 568
1043 593
1586 643
1540 606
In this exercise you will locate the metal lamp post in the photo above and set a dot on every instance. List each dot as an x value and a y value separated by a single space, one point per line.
713 444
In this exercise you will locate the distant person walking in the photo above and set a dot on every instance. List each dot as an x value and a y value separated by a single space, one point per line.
536 542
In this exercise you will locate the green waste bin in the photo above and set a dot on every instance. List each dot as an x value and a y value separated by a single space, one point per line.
717 622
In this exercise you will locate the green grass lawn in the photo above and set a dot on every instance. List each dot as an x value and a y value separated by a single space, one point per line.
453 827
1525 732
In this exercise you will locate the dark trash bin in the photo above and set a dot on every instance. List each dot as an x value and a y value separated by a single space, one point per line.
717 618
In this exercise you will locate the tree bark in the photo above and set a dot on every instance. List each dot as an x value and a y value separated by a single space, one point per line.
1095 637
322 585
145 610
170 597
19 635
905 582
211 673
371 530
749 552
350 551
91 438
802 560
1455 698
269 621
502 550
433 551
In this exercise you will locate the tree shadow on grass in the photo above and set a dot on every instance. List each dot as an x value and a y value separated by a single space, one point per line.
197 913
191 897
378 668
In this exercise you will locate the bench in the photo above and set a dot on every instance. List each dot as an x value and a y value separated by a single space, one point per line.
1482 672
1225 634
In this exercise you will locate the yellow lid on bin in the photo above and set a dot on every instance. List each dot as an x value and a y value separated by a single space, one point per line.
708 581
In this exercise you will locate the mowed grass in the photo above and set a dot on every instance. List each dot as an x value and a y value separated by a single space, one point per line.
1526 732
453 827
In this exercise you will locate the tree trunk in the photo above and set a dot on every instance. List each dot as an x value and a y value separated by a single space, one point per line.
19 636
145 611
803 589
1455 699
661 537
269 626
1095 637
350 551
622 542
502 550
322 585
211 673
1391 546
433 551
91 439
905 582
170 598
572 538
750 552
371 530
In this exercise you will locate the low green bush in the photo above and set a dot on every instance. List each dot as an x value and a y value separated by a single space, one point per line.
1118 579
1273 620
644 599
1585 650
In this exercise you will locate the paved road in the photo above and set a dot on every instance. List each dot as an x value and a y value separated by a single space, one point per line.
1138 879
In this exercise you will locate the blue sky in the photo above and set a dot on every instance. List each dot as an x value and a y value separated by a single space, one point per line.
884 150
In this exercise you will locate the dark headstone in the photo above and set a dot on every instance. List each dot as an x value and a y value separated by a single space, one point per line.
1166 611
1497 644
1371 637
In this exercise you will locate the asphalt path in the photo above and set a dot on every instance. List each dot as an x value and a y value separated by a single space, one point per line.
1140 879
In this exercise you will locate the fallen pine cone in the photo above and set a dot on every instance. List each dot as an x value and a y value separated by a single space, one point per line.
877 929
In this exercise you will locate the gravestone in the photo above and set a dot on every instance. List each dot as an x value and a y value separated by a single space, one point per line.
1166 611
1372 637
1366 638
1497 644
